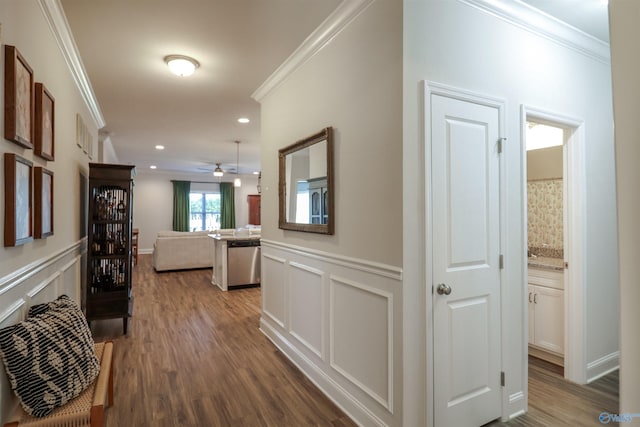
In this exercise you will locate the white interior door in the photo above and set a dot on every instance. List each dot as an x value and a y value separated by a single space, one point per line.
465 186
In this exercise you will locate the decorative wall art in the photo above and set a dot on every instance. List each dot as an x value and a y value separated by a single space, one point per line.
44 122
18 98
18 192
79 127
43 202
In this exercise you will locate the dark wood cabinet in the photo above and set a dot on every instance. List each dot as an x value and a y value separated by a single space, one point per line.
108 292
254 209
318 201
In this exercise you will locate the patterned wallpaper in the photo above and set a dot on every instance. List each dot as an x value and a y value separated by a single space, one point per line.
544 209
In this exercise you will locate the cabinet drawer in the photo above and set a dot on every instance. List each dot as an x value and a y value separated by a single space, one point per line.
550 279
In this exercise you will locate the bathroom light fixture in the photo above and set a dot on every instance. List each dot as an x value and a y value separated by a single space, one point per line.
243 120
152 167
237 182
217 171
181 65
159 147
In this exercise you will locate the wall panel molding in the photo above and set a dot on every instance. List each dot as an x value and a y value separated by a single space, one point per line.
40 281
335 328
297 332
366 266
357 315
28 271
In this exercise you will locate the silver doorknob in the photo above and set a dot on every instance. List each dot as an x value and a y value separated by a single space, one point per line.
443 289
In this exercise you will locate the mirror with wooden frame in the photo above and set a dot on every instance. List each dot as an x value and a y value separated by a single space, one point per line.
305 187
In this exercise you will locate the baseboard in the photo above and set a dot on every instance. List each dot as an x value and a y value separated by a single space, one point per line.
544 355
603 366
336 393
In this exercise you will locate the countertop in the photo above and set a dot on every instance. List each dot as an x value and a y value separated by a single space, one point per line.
221 237
546 263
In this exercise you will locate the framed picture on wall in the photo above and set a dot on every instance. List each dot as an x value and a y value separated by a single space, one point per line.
43 202
78 130
18 98
18 194
44 123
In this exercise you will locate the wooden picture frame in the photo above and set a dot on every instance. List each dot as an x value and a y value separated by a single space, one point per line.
44 123
18 98
18 196
43 202
78 130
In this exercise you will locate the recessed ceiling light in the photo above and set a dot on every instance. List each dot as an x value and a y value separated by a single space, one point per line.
243 120
159 147
181 65
152 167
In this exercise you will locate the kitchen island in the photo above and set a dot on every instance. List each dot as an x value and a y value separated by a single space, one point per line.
236 261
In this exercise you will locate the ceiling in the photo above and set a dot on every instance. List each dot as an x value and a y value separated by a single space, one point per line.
238 44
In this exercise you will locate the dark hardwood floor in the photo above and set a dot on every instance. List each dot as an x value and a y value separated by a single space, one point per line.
553 401
194 356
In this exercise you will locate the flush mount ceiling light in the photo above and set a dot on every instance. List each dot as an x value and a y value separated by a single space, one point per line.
159 147
237 182
217 171
181 65
243 120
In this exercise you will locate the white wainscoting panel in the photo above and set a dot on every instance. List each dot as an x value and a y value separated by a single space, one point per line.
306 306
361 331
273 297
41 281
341 325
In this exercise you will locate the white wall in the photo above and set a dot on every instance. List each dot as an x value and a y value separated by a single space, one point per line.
41 270
625 33
332 303
24 26
153 201
453 43
353 85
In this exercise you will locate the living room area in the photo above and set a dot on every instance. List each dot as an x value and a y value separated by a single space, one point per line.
342 323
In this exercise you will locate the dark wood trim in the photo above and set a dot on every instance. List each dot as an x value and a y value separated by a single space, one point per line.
12 60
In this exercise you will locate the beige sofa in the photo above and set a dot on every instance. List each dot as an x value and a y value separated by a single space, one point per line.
179 250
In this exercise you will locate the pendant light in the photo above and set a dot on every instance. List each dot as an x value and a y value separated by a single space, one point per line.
237 182
217 171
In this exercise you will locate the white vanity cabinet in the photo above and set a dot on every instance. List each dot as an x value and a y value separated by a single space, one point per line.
546 313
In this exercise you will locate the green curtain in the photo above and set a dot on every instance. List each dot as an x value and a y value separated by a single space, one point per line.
181 191
227 205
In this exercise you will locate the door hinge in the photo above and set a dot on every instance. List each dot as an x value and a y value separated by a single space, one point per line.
502 379
501 261
501 141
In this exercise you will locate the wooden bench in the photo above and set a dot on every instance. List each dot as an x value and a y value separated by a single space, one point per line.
85 410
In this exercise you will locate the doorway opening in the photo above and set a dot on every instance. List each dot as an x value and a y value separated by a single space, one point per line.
545 240
553 179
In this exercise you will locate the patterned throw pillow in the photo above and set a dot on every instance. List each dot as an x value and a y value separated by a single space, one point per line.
49 357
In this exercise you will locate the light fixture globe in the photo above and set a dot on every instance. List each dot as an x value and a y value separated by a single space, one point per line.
181 65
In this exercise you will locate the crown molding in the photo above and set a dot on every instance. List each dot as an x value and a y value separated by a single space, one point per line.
55 17
339 19
535 21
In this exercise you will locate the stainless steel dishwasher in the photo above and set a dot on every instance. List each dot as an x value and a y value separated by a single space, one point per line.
243 262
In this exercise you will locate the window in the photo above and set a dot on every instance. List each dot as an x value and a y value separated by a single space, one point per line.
205 211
